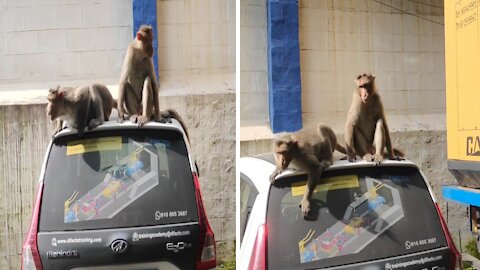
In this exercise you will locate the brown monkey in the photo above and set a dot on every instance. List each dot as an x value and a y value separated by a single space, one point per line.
366 129
138 90
310 149
80 107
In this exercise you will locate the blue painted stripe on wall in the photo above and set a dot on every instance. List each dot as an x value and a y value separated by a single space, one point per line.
462 195
145 12
284 93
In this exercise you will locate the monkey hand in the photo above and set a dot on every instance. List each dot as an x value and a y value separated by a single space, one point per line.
351 157
368 157
272 176
377 158
56 131
305 205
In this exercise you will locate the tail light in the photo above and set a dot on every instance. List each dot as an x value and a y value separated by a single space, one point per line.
258 258
206 257
456 258
30 255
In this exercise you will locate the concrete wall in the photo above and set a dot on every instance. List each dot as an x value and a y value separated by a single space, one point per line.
341 39
23 140
196 45
48 42
253 62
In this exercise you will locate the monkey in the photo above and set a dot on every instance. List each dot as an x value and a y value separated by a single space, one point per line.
80 107
138 89
366 129
171 113
311 149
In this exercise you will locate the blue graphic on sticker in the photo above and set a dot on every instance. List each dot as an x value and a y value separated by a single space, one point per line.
397 179
154 141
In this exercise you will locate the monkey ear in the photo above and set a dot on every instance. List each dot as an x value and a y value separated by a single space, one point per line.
139 36
373 76
60 95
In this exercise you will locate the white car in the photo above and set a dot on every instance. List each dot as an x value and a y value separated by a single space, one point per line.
362 217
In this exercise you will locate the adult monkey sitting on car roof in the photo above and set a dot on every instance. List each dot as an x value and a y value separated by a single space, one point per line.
310 149
138 89
366 129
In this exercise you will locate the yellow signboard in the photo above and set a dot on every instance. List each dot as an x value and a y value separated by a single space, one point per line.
329 183
94 145
462 58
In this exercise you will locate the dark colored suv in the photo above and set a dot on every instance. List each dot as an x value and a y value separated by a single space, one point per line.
120 197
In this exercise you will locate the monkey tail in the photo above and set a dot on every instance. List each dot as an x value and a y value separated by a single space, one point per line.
340 148
171 113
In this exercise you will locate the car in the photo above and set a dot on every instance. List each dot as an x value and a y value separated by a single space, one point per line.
119 197
363 216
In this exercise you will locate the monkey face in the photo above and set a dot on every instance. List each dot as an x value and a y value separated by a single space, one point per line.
365 86
145 36
52 110
283 154
54 97
364 95
283 160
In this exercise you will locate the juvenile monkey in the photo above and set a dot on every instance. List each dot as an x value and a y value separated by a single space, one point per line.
366 129
138 90
87 106
310 149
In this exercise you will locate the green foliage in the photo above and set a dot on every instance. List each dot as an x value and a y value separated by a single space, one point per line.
471 248
228 265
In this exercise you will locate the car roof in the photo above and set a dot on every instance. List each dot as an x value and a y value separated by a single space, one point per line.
340 162
261 166
170 124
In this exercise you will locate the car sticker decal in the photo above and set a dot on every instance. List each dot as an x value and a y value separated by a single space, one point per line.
94 145
366 218
125 182
329 183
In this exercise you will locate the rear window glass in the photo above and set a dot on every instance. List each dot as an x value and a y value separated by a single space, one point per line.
356 215
117 179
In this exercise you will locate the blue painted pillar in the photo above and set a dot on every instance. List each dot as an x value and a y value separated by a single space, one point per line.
284 66
145 12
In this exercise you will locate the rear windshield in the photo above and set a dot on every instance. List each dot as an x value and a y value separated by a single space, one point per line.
356 215
117 179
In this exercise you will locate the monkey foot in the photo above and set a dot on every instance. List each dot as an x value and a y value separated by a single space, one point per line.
94 123
133 118
141 120
398 158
